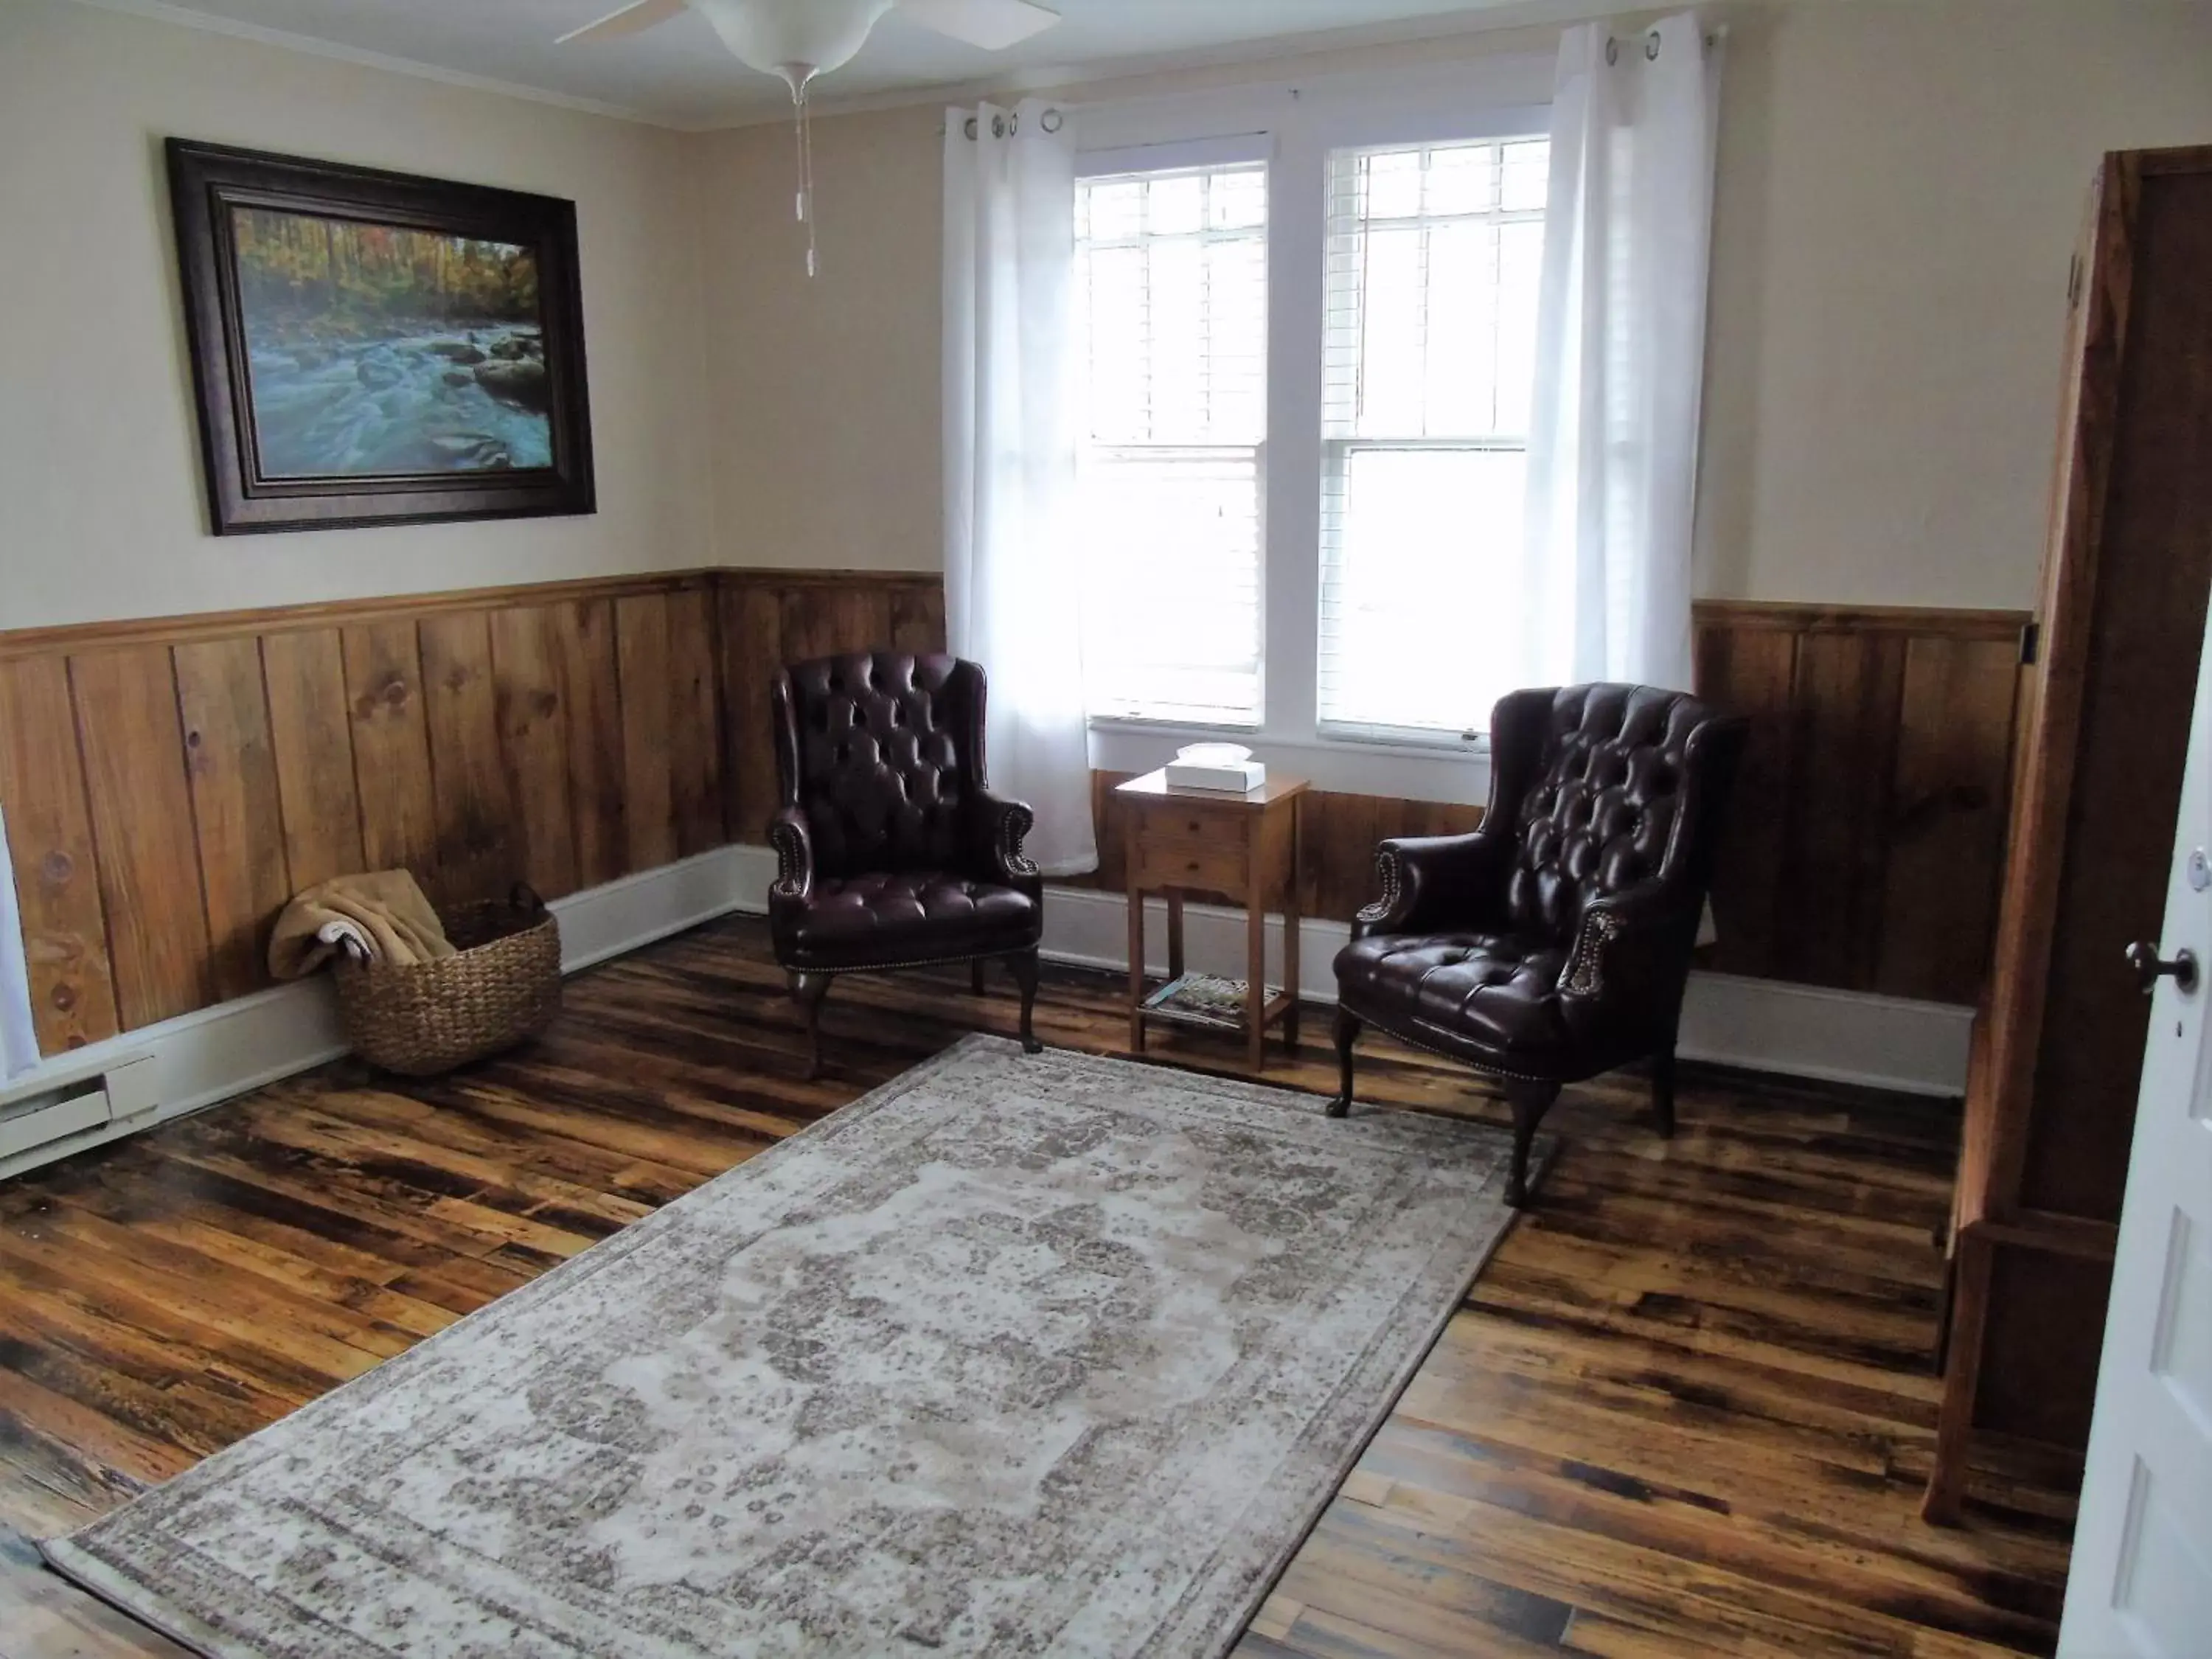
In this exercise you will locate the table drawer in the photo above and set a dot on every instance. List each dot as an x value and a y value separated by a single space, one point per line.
1170 853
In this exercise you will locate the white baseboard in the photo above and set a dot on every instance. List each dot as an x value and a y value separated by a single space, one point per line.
213 1053
1765 1025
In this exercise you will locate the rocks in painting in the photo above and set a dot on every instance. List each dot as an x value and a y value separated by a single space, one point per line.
470 452
457 377
459 351
522 383
516 347
378 371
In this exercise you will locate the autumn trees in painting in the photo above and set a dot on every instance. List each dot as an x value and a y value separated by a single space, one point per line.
335 270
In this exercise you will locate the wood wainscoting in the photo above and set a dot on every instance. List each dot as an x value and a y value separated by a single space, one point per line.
1867 839
169 783
1867 833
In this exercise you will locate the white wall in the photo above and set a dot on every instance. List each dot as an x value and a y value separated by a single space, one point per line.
1900 185
826 393
100 508
1900 181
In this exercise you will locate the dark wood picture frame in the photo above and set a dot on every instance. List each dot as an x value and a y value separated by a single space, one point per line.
207 182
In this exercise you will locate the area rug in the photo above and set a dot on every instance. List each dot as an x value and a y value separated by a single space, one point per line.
1018 1354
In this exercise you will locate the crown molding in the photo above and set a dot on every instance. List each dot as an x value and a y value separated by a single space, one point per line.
161 11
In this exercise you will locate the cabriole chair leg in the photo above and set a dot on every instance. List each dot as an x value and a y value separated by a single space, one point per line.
1025 975
1529 1101
1663 1091
1347 1033
975 976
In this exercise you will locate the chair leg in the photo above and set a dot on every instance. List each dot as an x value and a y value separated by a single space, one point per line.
1529 1101
1663 1090
975 976
1025 975
1347 1033
808 990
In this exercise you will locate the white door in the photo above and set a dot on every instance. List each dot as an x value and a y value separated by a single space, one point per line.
2141 1576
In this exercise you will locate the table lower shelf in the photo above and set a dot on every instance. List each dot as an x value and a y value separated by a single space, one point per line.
1214 1003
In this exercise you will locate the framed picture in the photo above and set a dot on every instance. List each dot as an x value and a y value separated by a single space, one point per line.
371 347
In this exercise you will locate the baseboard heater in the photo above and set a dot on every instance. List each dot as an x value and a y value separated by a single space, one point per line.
123 1090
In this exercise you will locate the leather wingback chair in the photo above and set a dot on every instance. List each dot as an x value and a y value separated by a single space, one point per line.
891 851
1553 942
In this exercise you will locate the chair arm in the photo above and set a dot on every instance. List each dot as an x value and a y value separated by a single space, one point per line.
1000 826
1632 943
1436 881
794 858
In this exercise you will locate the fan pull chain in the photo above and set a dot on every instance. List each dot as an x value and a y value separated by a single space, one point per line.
802 121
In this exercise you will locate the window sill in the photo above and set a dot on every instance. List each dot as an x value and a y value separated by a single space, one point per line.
1449 769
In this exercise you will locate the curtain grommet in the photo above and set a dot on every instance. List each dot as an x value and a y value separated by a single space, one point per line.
1051 120
1612 50
1651 48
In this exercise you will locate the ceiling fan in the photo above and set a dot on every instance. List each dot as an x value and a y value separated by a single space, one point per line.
796 40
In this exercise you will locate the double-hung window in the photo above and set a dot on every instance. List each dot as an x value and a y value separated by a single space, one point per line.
1171 305
1434 252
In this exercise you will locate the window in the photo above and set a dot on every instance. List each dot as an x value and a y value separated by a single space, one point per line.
1171 298
1434 254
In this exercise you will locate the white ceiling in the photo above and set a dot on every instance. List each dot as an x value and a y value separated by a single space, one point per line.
680 74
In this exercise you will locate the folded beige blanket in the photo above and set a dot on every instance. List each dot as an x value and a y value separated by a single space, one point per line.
384 912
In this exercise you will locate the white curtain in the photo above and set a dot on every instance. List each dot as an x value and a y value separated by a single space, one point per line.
19 1044
1620 341
1011 585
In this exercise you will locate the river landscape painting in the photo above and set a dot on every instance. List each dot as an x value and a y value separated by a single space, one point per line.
374 346
375 350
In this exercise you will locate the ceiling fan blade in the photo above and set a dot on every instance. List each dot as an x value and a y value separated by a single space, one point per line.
994 25
637 15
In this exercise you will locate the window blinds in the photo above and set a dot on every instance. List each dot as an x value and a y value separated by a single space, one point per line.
1171 275
1434 258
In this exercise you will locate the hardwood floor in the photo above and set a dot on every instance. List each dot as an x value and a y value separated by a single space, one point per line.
1685 1410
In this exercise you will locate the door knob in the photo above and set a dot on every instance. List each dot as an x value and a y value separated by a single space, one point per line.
2150 967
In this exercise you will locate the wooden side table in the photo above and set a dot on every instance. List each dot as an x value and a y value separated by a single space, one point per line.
1238 846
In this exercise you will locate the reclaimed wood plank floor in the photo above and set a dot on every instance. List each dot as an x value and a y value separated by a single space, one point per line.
1687 1410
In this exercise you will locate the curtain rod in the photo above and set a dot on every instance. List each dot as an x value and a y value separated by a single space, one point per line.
1713 37
1006 123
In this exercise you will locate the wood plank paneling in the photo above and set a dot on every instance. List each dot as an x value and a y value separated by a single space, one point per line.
1848 691
1867 830
1753 671
694 762
413 732
476 839
142 825
590 686
1953 767
391 748
533 745
49 845
312 725
236 815
752 648
642 641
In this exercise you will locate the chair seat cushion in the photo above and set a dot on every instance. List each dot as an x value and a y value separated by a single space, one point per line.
885 921
1489 997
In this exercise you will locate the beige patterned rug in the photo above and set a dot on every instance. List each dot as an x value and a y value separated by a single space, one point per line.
1017 1355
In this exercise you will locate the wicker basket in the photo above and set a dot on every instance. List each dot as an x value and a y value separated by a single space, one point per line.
502 983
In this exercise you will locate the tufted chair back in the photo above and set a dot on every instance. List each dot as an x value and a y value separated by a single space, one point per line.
1614 786
881 751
